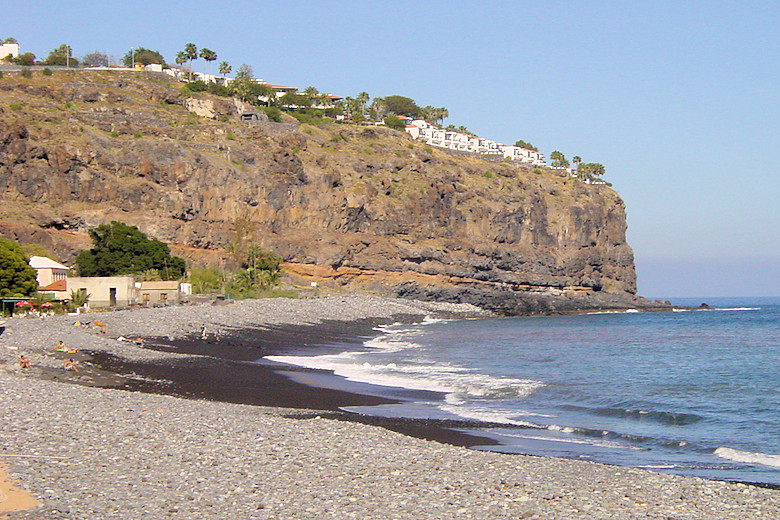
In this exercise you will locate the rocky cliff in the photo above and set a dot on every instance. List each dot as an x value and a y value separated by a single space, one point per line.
363 208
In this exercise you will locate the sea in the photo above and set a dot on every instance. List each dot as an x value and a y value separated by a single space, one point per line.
693 392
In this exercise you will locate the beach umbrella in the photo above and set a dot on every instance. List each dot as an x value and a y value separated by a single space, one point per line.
22 304
46 305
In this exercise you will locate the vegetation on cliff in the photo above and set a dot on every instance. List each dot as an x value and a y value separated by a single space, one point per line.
344 205
121 249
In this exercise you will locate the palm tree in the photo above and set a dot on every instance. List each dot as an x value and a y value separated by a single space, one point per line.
192 54
208 55
181 57
225 68
362 99
377 109
576 160
442 114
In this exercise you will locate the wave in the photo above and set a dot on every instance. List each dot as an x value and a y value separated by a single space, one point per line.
748 457
669 418
460 384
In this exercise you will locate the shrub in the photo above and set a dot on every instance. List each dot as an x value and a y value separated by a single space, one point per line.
26 72
46 71
137 135
218 90
15 107
393 122
273 113
196 86
230 136
114 133
206 279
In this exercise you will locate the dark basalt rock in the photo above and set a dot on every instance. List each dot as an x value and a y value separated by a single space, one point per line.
366 199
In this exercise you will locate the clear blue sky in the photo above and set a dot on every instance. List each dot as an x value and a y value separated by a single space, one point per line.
679 100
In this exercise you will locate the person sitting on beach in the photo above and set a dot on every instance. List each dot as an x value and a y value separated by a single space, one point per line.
60 347
69 364
24 362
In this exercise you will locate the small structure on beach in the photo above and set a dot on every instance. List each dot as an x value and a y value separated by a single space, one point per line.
159 293
106 291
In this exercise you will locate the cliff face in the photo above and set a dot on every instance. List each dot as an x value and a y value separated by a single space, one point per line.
357 207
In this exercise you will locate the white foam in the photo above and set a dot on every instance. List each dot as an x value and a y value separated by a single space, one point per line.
490 415
461 384
748 457
573 440
625 311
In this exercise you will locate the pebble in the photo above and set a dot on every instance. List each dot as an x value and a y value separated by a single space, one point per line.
99 453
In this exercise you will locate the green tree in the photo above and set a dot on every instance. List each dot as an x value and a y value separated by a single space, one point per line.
559 160
143 56
225 68
526 145
576 160
10 39
596 169
242 85
122 249
62 55
17 278
402 106
26 59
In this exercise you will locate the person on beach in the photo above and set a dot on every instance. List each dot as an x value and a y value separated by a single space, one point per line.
69 364
60 347
24 362
203 333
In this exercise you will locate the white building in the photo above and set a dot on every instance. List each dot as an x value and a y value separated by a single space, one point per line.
9 48
435 136
517 153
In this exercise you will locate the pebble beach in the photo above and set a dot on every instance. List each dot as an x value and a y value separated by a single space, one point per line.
87 451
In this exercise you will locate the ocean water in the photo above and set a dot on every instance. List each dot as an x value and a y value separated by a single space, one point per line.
694 392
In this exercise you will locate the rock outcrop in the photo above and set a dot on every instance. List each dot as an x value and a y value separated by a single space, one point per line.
346 206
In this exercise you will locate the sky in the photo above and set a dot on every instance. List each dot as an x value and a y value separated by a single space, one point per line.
679 100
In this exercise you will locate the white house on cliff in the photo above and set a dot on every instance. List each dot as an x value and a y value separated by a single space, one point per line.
435 136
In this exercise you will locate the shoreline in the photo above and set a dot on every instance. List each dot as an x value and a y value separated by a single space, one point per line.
310 462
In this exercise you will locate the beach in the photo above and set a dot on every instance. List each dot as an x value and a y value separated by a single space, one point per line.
192 428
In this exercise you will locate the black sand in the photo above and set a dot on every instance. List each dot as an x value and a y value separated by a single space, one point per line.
227 368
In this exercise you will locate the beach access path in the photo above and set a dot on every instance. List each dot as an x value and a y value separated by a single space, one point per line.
89 452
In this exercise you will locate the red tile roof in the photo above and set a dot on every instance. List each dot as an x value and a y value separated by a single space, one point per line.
59 285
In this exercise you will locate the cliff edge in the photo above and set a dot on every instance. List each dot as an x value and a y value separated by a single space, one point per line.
359 208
